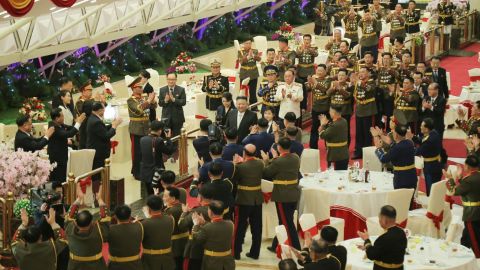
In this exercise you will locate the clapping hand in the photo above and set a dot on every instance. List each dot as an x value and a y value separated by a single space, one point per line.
426 104
308 239
364 235
81 118
24 217
469 144
264 155
237 159
151 97
185 208
117 122
201 162
461 113
323 119
198 219
275 127
284 93
377 142
409 134
274 153
210 84
386 139
51 217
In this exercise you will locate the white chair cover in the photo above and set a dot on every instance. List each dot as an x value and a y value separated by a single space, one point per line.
80 162
370 160
418 162
322 57
269 217
310 161
418 221
456 226
267 186
282 236
261 45
128 80
307 222
200 99
154 79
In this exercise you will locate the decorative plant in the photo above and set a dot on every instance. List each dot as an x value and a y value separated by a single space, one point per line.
34 108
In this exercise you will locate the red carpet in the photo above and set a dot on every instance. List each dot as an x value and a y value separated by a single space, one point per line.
458 68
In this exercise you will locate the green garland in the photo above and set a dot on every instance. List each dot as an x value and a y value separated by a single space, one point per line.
22 204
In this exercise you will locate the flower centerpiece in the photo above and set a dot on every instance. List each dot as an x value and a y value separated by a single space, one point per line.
285 30
21 171
182 64
109 93
34 108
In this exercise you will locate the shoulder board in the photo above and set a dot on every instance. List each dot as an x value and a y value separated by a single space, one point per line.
428 74
412 65
370 80
281 83
297 84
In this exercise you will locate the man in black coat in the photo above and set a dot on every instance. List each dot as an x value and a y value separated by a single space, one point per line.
153 146
241 118
65 84
172 98
438 75
99 135
259 137
202 143
231 148
321 257
147 89
329 234
58 144
434 106
24 140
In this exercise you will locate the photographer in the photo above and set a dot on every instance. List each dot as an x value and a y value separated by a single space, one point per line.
153 146
164 179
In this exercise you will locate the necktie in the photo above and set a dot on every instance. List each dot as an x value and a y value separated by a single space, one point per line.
239 119
435 75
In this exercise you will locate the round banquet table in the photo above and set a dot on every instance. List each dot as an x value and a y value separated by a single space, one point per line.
355 202
423 253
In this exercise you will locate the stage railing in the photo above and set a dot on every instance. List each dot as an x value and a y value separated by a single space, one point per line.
6 208
467 24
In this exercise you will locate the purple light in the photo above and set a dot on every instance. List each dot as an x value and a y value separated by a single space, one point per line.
202 29
304 3
13 66
78 53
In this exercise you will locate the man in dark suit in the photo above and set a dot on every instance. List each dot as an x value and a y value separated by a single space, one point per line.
172 98
216 150
419 85
259 137
147 89
58 144
438 75
434 106
24 140
65 84
201 143
231 148
99 135
241 118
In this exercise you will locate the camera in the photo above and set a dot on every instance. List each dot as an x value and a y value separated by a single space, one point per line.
52 198
157 175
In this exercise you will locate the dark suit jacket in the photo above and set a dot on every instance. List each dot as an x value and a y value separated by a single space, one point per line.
98 137
29 143
152 149
230 150
201 145
57 101
227 167
437 112
173 111
249 119
147 90
441 80
58 143
221 111
263 141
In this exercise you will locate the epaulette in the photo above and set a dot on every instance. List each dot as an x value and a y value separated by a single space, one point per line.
281 83
297 84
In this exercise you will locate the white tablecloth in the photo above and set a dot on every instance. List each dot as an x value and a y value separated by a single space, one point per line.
470 93
436 254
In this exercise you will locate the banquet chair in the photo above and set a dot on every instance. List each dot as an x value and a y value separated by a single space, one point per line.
261 45
310 161
154 79
282 237
370 160
400 200
456 226
128 80
429 222
269 217
81 162
317 202
322 57
308 223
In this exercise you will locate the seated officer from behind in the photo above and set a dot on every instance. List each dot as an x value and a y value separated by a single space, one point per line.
321 257
329 234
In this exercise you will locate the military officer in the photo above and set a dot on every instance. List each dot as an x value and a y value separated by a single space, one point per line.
446 10
248 202
406 104
335 135
289 94
125 241
351 57
171 199
351 27
406 68
366 109
377 11
268 89
388 251
397 23
139 110
216 238
84 105
285 58
248 58
472 125
86 237
402 156
386 80
367 62
318 84
369 39
157 241
270 59
341 96
283 170
397 50
30 252
215 85
333 43
193 254
343 63
469 188
412 18
306 56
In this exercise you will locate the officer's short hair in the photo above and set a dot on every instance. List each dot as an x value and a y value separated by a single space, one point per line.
206 191
401 130
319 246
270 50
123 212
173 192
283 39
428 123
368 52
216 207
322 66
418 73
157 125
204 124
263 123
343 58
145 74
342 70
84 218
216 169
168 177
472 161
292 131
290 117
388 211
241 98
22 119
346 42
64 80
337 109
387 54
329 234
97 105
307 35
409 79
32 234
285 143
215 148
154 202
399 40
231 133
407 52
435 58
287 264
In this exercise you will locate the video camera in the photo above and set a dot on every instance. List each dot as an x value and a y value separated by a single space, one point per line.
52 198
215 130
157 175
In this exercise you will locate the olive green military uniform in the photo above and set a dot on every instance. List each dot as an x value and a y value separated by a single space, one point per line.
248 204
157 242
332 47
351 27
387 76
333 72
183 195
179 236
398 53
306 58
86 245
38 256
248 66
83 128
397 26
124 243
283 170
342 97
216 237
469 126
321 99
378 14
445 13
193 253
412 21
406 107
369 33
366 109
285 60
405 72
335 135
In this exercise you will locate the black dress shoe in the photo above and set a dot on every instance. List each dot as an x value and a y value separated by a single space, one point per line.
237 257
250 256
271 249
